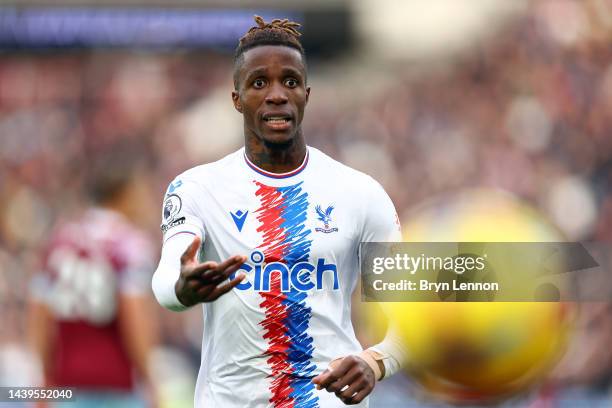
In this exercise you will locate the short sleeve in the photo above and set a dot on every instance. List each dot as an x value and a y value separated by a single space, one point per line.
381 223
179 209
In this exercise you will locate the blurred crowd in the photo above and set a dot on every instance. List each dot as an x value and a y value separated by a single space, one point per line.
528 110
522 111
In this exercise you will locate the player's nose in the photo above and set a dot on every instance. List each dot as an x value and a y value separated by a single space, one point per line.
276 95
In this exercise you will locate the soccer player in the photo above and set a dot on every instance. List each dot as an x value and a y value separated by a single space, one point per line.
267 240
91 320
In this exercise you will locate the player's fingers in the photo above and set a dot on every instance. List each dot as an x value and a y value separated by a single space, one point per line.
324 375
223 270
320 378
354 387
240 260
198 288
328 377
198 271
225 287
349 378
339 371
231 261
218 277
343 365
357 398
191 251
209 290
210 273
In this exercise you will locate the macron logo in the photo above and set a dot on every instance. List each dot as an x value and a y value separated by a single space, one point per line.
239 217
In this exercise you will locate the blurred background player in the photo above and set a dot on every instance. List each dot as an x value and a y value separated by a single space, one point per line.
90 316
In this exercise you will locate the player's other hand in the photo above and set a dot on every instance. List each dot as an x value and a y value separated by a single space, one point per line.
205 282
350 378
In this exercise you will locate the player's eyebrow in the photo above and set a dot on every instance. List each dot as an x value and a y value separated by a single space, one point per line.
292 71
260 71
263 71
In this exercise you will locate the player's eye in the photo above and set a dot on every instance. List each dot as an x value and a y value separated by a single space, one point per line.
259 83
291 82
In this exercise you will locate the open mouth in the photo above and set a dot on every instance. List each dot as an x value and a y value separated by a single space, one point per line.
277 122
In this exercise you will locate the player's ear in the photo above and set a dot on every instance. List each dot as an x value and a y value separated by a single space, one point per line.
307 93
236 100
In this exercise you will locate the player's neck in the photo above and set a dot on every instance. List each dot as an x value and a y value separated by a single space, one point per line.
276 159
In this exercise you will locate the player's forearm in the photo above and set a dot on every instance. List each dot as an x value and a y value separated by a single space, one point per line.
392 352
139 334
40 337
169 270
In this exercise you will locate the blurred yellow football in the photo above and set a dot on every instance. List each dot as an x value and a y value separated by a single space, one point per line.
480 352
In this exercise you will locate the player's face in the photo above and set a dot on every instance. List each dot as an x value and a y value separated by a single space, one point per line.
272 93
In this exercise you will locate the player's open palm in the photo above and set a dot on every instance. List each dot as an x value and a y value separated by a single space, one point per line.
205 282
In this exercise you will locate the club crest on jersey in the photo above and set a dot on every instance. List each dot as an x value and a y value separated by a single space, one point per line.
172 206
325 218
239 217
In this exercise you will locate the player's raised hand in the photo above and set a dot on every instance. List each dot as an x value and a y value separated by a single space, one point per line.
205 282
350 378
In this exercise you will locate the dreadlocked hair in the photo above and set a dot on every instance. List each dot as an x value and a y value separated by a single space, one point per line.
276 32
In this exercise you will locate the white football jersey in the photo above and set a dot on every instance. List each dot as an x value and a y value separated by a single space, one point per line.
265 340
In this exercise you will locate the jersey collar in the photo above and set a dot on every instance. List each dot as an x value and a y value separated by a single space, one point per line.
263 172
